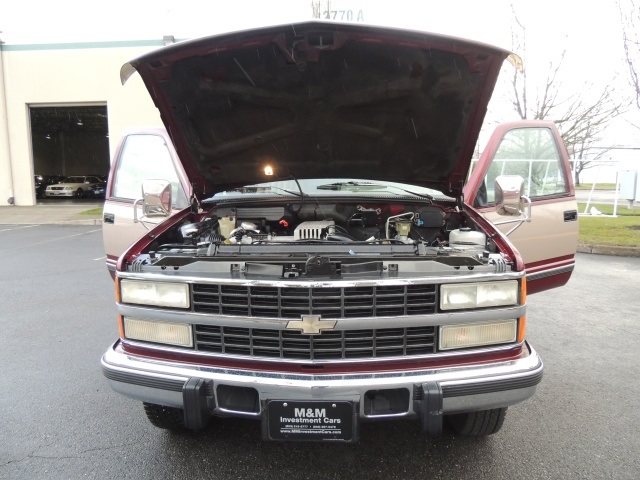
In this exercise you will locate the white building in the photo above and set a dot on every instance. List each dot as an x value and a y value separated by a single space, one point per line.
62 109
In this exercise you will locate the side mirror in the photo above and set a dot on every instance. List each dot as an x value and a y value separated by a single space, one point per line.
509 195
511 201
156 199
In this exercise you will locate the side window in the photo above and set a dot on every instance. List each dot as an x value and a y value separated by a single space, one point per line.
144 157
533 154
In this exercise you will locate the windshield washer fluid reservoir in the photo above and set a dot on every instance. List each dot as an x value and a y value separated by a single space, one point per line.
466 236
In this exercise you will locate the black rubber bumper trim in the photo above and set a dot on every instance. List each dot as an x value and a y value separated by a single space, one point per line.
490 387
194 401
151 382
430 409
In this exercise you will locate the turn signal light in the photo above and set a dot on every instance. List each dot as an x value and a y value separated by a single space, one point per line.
158 332
477 334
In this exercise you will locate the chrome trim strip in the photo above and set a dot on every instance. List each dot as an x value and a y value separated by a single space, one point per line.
237 413
432 356
414 279
389 415
550 272
432 319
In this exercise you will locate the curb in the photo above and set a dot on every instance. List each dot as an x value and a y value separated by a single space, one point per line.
610 250
88 221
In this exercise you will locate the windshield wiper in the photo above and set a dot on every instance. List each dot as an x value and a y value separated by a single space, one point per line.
371 186
426 196
254 190
290 192
351 184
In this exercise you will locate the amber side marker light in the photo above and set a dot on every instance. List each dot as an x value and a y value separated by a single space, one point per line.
121 326
522 321
522 327
117 284
120 319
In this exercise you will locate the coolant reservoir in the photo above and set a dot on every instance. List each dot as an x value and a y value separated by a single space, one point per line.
226 225
466 236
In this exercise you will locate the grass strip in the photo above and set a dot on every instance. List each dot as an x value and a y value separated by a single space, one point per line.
623 230
93 211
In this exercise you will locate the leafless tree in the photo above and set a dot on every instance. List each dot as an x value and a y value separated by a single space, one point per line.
630 19
581 116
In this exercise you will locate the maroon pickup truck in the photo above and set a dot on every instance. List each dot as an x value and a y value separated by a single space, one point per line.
306 246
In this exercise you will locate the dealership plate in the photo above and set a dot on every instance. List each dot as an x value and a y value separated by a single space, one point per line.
313 421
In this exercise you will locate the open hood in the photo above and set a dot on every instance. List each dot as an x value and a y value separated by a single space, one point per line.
323 100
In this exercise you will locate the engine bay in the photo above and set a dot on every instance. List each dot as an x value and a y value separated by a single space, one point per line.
335 222
290 240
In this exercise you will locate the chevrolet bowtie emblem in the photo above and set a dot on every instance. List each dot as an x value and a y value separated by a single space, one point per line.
311 324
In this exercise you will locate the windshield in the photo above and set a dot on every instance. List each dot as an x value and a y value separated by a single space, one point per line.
329 187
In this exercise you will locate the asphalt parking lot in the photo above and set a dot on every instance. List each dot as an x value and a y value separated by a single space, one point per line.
60 419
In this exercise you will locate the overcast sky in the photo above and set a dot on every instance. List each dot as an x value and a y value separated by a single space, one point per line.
586 25
590 32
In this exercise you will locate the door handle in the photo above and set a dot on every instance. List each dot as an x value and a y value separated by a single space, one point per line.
109 218
570 215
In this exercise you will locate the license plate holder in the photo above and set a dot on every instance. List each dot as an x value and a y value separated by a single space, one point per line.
310 421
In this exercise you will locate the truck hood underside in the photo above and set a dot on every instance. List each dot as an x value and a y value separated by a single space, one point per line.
323 100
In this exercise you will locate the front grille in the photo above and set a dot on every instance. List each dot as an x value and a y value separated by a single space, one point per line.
330 302
329 345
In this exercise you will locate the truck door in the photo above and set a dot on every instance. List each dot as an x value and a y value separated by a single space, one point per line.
535 151
145 154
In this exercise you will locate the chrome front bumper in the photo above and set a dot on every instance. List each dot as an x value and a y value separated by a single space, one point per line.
460 389
61 193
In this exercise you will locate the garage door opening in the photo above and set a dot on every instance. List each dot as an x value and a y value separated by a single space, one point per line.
69 141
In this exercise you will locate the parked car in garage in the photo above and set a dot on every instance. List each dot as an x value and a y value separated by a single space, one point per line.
41 182
77 186
97 190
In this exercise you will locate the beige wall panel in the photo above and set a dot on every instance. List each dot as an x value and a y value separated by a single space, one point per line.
65 76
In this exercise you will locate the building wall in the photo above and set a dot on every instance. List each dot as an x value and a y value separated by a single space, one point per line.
64 74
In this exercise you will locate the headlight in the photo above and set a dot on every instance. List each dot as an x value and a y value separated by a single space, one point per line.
477 335
159 294
158 332
67 188
478 295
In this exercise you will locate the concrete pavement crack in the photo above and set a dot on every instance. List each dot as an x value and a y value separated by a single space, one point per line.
33 455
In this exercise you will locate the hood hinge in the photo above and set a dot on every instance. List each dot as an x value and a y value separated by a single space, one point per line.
193 201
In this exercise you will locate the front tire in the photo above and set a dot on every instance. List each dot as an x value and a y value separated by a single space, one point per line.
167 418
478 424
79 193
